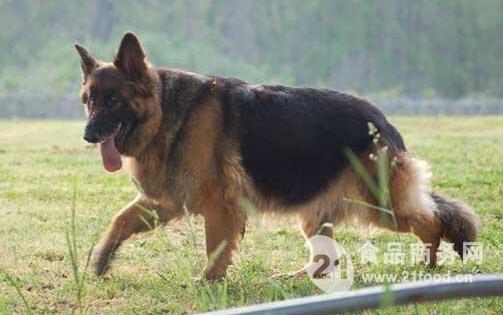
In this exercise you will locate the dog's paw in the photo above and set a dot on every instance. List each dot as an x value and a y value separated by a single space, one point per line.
292 275
283 276
213 275
101 261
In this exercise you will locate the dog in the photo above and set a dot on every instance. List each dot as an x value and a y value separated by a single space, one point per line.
206 143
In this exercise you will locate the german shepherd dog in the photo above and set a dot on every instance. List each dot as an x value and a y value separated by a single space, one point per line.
207 143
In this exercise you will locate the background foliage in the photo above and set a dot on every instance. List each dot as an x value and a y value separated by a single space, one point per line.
419 49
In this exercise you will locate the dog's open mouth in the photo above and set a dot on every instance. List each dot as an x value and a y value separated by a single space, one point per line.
111 157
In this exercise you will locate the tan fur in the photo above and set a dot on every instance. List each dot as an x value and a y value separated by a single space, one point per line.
130 220
198 184
411 203
216 198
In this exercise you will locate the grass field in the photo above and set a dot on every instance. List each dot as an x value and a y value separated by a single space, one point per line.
46 170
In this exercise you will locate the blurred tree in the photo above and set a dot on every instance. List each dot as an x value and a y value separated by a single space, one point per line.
415 48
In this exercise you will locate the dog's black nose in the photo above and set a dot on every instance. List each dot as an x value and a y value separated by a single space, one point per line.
91 138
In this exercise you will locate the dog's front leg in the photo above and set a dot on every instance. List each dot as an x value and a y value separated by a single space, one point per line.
224 226
139 216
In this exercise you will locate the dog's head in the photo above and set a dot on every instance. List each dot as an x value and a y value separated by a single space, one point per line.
121 101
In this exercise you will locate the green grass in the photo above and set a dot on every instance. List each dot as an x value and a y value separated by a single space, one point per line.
47 171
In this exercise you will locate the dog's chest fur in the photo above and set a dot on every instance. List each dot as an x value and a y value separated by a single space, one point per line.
181 171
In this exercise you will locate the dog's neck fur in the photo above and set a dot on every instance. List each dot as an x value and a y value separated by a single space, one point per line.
179 93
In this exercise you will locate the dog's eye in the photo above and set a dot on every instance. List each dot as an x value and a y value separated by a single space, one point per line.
113 101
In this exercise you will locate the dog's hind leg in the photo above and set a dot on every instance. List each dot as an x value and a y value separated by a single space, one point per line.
139 216
429 232
312 224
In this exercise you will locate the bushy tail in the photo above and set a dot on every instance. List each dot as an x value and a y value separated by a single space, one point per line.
459 221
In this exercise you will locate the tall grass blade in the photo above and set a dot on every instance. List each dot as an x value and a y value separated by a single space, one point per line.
362 172
16 286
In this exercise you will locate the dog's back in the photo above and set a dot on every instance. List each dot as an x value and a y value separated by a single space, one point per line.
293 139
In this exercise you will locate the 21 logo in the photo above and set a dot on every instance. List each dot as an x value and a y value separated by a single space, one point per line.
331 268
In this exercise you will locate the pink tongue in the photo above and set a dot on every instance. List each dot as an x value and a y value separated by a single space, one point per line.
111 157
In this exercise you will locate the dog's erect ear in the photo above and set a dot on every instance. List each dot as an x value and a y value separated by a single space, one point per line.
130 57
87 62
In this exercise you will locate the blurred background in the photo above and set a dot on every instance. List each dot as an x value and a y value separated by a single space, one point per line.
408 56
